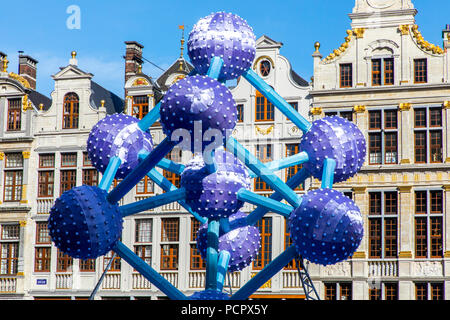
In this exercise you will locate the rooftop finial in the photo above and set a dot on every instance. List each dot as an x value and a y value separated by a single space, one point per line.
182 40
5 64
73 61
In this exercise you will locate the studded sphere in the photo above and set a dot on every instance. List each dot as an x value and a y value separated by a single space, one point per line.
242 242
327 227
203 107
209 294
334 138
214 195
223 35
83 224
117 135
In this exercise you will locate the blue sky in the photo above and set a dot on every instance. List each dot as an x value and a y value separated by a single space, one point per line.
39 29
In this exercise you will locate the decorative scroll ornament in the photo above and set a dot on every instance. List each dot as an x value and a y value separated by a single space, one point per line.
21 79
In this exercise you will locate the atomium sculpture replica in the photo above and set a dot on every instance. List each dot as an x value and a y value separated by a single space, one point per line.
326 227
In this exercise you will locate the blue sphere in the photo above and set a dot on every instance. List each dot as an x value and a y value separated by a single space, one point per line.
241 241
209 294
201 107
118 135
83 224
327 227
214 195
334 138
223 35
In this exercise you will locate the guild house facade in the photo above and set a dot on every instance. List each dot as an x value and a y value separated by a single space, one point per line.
395 86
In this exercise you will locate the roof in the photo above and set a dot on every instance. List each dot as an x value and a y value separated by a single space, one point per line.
174 68
299 80
113 103
37 98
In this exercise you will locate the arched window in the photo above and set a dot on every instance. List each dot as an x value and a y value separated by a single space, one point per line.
71 111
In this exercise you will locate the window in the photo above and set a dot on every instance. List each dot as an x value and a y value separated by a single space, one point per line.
43 248
86 160
383 224
265 252
64 262
421 291
420 71
87 265
391 291
175 155
265 68
140 106
13 177
376 72
382 72
71 111
264 108
197 263
429 291
116 263
69 159
338 291
9 249
429 223
428 142
343 114
346 75
68 180
292 149
386 291
437 291
264 154
145 186
383 137
90 177
14 114
240 113
46 161
46 183
143 239
169 243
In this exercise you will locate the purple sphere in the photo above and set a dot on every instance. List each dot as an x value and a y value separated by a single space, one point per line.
242 242
198 104
214 195
118 135
334 138
327 227
83 224
223 35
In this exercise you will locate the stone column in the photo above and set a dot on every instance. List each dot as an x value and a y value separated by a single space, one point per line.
406 151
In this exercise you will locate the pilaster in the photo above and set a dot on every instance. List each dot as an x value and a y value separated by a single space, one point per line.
406 222
404 76
446 111
406 152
